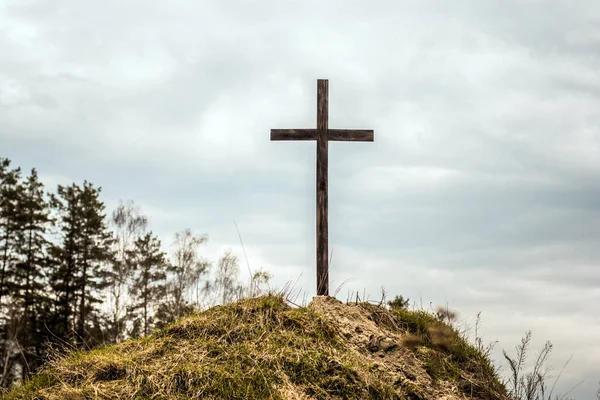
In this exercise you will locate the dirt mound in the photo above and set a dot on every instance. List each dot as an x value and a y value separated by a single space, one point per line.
263 348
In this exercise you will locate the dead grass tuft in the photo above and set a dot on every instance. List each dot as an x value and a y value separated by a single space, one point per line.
263 348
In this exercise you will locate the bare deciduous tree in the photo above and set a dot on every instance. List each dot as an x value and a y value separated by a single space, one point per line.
188 266
226 281
128 224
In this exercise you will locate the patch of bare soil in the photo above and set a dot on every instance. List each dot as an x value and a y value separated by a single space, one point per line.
376 338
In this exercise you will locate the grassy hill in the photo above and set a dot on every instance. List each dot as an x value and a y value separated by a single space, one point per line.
263 348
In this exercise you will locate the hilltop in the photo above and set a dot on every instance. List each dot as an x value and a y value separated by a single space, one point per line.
264 348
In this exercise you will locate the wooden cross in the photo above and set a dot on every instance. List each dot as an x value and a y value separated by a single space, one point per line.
322 135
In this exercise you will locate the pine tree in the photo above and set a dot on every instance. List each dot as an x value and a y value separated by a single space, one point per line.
10 191
149 263
29 274
10 227
64 257
97 242
81 259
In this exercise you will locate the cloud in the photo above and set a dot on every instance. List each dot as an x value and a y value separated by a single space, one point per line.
481 186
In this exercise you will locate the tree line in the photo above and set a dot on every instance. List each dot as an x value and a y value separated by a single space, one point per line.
73 275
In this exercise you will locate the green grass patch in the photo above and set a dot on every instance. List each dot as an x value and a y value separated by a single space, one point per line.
264 349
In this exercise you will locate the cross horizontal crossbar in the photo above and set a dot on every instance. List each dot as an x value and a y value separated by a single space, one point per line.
340 135
322 135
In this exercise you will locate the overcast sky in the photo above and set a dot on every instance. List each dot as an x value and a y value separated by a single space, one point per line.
481 190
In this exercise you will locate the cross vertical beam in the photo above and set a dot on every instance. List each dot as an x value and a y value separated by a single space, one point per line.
322 135
322 190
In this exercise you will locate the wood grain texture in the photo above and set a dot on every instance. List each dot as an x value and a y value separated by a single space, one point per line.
293 134
350 135
339 135
322 169
323 135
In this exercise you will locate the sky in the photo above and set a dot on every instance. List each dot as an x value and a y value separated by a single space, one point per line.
481 190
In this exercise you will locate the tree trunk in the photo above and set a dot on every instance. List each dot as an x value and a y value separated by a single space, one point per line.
4 260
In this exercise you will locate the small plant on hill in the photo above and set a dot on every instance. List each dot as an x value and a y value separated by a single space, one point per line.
398 302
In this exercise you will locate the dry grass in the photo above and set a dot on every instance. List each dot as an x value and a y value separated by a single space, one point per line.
263 348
